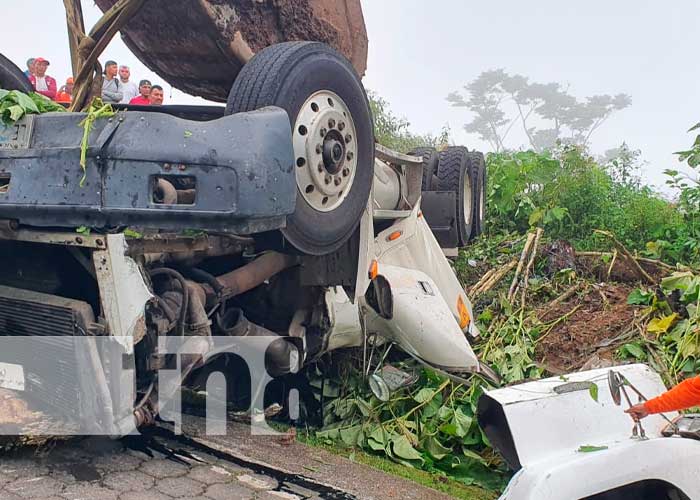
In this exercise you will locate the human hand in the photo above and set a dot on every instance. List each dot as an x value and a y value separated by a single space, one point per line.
638 411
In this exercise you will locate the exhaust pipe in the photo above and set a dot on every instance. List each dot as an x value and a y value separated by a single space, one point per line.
164 192
282 356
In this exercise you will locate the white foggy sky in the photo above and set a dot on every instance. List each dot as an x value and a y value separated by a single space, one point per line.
419 51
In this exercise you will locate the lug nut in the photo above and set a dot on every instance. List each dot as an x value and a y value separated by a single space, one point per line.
328 179
336 181
348 138
341 126
319 149
323 132
320 166
346 172
350 155
331 123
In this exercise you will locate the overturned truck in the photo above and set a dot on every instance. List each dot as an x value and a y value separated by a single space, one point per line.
275 217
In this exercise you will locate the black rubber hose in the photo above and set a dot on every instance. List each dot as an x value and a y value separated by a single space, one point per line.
185 293
202 276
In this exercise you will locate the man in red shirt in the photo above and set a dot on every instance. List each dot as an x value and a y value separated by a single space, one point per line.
156 95
144 92
43 83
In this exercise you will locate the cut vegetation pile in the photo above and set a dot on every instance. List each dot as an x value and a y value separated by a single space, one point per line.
537 319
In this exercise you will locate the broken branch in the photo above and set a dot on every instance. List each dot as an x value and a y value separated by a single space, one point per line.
626 253
523 256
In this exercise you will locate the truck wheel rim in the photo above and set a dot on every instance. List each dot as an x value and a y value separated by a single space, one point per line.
467 198
325 150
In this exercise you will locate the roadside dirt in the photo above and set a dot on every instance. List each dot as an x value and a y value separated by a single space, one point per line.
622 271
600 315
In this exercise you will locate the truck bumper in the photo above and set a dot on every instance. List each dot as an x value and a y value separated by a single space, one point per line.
238 170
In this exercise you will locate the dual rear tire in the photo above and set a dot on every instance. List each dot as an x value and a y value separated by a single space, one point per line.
464 173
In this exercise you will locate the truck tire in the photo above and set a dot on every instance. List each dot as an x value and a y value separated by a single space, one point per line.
430 165
454 174
478 167
12 78
332 135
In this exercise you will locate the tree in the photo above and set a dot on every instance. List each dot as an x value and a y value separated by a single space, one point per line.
394 133
547 113
623 164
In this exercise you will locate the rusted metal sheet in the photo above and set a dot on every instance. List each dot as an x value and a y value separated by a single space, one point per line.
199 46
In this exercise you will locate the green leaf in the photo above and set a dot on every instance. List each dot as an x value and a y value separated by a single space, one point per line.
364 407
473 455
402 448
536 216
435 448
593 391
444 413
677 281
640 297
130 233
587 448
25 101
424 395
350 435
377 439
635 350
83 230
462 423
15 112
188 134
330 434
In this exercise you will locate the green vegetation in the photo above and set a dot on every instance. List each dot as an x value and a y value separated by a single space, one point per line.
436 481
570 195
96 111
15 104
590 202
671 344
430 426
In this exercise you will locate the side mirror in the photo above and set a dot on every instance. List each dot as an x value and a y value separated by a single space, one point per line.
615 381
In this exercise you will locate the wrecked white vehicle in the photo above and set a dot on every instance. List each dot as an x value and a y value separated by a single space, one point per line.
565 444
238 226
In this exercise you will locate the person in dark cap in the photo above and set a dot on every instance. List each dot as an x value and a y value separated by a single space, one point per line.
111 89
43 84
144 91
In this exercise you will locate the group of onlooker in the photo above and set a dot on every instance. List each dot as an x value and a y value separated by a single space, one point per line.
117 88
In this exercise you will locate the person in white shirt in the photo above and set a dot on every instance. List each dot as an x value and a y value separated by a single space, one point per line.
129 89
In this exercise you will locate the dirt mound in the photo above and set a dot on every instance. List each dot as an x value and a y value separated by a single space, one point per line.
622 271
588 324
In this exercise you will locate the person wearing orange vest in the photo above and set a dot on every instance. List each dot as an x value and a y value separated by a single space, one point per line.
65 93
683 396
